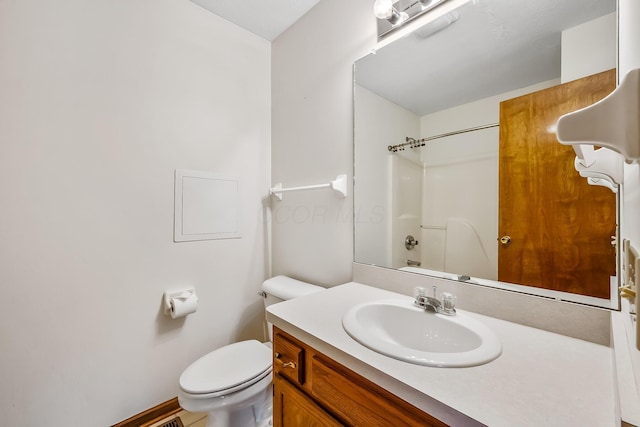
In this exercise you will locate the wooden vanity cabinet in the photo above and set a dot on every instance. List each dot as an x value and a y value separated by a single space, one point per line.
311 389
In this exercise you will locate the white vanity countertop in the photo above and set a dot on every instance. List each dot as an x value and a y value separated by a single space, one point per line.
541 378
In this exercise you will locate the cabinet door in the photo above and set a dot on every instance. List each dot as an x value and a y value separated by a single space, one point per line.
359 402
291 408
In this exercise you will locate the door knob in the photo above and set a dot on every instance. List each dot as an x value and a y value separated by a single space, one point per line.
505 240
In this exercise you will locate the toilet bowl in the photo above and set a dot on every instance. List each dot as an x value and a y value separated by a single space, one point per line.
233 384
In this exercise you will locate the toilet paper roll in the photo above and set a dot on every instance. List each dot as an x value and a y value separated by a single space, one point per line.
183 304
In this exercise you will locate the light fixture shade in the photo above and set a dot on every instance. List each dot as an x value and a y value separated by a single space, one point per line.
611 122
393 14
383 9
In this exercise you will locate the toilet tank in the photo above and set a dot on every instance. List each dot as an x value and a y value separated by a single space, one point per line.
282 288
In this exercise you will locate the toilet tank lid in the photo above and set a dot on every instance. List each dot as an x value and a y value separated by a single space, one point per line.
287 288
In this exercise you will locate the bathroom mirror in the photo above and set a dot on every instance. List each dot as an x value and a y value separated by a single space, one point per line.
430 158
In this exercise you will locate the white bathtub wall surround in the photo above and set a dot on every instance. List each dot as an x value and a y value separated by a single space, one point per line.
374 204
536 381
467 252
573 320
101 102
406 204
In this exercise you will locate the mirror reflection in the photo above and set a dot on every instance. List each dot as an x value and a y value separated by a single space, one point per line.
456 171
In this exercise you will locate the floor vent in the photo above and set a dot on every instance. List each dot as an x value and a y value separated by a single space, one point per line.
176 422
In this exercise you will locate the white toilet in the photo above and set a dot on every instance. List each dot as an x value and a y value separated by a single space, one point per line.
233 383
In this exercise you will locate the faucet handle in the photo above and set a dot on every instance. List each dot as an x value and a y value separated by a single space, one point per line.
448 303
418 291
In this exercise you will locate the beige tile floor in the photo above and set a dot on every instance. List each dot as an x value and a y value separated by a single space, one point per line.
189 419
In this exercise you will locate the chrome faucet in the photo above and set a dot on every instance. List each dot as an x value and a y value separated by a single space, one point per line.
446 306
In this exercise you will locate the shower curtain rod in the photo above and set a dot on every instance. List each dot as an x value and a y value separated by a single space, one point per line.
416 143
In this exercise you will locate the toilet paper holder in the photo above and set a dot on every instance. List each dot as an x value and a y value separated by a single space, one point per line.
169 295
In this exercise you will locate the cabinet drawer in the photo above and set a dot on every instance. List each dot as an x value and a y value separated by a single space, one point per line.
288 358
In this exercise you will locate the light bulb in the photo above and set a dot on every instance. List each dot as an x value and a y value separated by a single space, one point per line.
383 9
426 3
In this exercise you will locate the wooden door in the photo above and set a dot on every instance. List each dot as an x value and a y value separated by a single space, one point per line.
560 226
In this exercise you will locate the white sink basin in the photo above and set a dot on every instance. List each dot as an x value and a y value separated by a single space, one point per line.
398 329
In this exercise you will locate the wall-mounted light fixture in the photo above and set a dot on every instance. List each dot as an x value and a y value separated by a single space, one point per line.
425 3
392 14
384 9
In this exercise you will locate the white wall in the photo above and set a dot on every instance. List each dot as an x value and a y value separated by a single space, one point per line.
629 47
589 48
100 102
313 137
629 59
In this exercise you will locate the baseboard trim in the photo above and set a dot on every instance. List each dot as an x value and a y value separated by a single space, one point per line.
153 415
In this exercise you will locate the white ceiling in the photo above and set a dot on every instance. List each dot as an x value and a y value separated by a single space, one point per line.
266 18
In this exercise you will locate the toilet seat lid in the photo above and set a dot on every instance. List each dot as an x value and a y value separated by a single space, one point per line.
226 367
